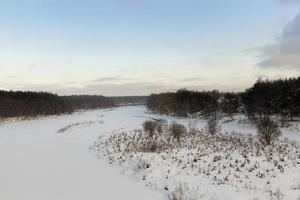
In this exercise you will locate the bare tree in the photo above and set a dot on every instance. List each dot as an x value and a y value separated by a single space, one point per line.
213 123
177 130
149 127
161 126
267 131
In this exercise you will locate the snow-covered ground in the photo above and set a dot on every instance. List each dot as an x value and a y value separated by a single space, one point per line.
38 163
49 158
202 165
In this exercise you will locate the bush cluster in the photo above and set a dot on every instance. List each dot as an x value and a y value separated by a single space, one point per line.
158 127
223 158
267 131
177 130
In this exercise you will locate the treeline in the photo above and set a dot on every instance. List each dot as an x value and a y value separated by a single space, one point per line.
77 102
265 98
31 104
130 100
183 102
278 97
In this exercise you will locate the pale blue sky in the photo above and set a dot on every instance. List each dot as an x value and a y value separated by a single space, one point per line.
136 47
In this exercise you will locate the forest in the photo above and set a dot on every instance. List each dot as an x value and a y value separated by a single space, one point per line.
79 102
279 98
130 100
32 104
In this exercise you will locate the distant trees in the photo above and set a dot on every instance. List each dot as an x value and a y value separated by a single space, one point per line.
266 103
162 103
15 104
279 97
130 100
230 103
31 104
88 101
265 98
184 102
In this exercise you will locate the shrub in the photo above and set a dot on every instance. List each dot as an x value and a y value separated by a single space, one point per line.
177 130
149 127
192 126
213 125
161 126
267 131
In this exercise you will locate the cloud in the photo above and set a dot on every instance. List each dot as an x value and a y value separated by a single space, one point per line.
111 79
107 89
133 88
194 79
31 67
285 53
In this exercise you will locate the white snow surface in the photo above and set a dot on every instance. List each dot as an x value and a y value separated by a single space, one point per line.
50 159
38 163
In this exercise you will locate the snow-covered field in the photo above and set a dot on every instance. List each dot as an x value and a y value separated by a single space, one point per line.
39 162
51 158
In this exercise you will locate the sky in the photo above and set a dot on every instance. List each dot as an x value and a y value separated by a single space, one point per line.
139 47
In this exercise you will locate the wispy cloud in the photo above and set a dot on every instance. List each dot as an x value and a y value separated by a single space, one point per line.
112 79
194 79
31 66
285 53
133 88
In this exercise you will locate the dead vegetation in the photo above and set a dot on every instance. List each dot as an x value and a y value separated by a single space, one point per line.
224 159
78 124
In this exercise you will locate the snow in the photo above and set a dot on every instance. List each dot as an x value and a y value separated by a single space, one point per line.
37 162
202 165
50 158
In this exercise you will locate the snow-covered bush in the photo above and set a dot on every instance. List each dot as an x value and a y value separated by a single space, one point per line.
149 127
184 170
267 131
139 165
213 123
161 126
177 130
